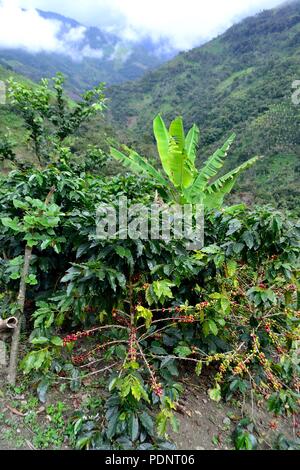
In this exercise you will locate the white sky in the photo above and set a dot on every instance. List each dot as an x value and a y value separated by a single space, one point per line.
186 23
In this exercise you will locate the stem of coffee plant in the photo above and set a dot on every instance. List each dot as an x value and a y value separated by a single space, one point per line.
14 352
12 371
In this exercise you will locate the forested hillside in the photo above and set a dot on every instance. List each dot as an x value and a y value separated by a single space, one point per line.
240 81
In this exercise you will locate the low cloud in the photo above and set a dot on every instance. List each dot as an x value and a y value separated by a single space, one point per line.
88 51
27 30
172 24
184 24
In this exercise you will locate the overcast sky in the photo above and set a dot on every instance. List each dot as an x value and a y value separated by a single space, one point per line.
186 23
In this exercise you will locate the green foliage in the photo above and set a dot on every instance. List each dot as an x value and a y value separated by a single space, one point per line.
215 393
244 437
177 155
37 360
159 292
145 313
130 387
7 148
129 422
37 224
165 417
48 115
284 402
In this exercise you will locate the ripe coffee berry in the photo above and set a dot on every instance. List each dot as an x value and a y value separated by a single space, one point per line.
157 387
268 327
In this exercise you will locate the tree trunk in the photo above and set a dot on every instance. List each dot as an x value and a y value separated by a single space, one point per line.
14 352
13 362
6 329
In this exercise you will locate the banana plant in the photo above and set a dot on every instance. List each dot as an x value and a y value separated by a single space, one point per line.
185 184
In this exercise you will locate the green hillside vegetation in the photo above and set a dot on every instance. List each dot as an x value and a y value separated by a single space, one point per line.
242 82
12 127
106 334
84 73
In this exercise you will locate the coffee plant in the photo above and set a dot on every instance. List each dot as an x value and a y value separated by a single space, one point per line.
142 308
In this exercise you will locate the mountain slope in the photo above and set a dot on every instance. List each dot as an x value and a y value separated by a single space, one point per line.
240 81
11 124
91 56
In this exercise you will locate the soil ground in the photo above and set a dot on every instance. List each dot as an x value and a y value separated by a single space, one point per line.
204 424
207 425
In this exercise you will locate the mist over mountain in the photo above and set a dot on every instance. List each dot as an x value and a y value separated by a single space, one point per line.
183 25
86 55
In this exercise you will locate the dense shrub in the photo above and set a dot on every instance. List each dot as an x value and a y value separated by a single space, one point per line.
143 306
232 306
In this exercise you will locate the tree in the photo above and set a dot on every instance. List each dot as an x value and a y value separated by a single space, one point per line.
178 154
51 120
50 116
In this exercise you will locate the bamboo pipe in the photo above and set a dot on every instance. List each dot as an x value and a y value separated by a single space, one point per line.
8 324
